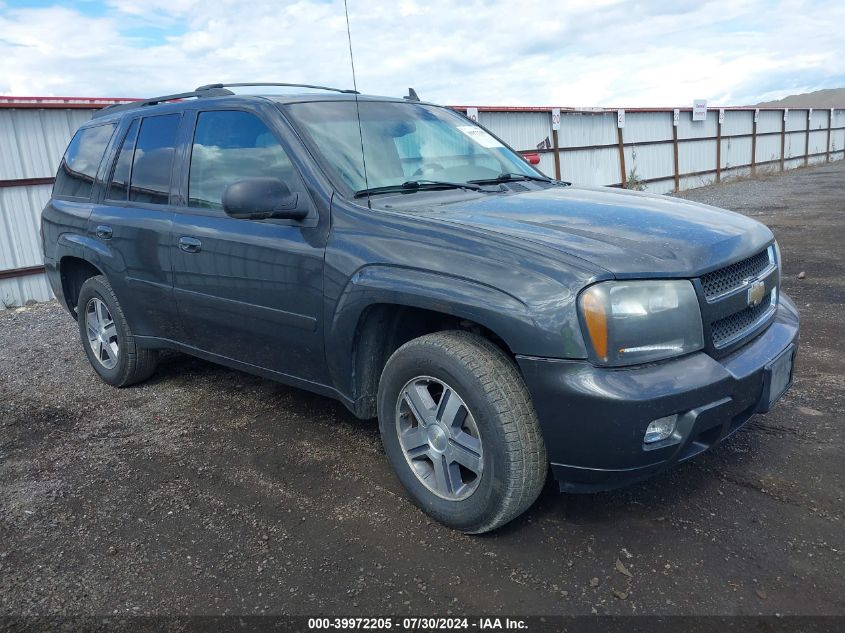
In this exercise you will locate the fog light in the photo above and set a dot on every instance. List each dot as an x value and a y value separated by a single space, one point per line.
660 429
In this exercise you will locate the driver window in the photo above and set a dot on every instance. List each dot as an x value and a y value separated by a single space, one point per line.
229 146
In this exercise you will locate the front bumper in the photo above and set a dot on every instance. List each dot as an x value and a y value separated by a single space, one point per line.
594 419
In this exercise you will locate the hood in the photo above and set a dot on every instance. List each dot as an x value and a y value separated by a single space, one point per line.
627 233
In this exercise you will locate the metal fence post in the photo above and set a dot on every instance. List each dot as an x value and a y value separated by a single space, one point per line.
754 143
676 115
829 125
783 137
807 138
556 150
622 156
719 146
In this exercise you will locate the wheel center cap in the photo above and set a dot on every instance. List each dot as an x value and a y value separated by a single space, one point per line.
437 438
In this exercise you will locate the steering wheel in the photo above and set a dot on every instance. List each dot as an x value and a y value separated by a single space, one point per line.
426 169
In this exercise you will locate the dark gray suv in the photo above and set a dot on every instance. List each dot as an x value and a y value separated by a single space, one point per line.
397 257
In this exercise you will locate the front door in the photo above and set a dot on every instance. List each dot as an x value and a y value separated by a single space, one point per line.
247 290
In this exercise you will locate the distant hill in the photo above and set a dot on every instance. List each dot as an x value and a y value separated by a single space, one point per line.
829 98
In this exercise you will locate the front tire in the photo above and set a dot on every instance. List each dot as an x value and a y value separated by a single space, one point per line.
459 428
107 338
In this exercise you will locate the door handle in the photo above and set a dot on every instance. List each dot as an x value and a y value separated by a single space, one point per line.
190 244
104 232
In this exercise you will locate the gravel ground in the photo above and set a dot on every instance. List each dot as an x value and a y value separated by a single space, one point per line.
206 490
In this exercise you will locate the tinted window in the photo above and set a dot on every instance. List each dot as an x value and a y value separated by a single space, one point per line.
79 164
119 186
154 149
230 146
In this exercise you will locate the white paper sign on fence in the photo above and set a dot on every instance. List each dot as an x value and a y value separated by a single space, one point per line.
721 115
620 118
676 117
699 110
472 114
555 118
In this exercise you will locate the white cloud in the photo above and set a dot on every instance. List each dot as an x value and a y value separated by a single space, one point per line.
582 53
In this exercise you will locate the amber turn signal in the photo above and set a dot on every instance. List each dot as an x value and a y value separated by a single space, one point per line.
595 318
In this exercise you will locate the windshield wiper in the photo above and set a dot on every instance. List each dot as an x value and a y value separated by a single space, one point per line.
510 176
417 185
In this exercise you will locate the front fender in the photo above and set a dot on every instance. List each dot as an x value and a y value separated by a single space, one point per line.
503 314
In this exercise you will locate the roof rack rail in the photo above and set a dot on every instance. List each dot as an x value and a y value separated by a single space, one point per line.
265 83
204 91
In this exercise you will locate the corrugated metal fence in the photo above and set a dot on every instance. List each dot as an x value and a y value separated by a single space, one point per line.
34 133
661 150
665 150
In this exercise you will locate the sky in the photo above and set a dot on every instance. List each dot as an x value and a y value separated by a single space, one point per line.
580 53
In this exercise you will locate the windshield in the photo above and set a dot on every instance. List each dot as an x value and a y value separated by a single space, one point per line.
402 142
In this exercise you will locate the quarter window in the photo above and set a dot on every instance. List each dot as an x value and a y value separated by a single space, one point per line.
153 159
230 146
81 160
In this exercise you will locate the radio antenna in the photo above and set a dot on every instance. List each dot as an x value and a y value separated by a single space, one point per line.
357 108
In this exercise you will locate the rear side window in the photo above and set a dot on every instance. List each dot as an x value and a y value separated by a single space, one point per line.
153 159
119 185
229 146
81 160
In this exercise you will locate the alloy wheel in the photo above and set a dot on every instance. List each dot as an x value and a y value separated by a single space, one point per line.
439 438
102 333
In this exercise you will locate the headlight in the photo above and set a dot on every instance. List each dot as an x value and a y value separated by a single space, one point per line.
629 322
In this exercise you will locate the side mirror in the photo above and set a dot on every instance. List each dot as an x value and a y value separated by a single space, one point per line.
261 199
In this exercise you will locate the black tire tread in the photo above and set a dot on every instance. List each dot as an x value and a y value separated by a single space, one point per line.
141 363
504 387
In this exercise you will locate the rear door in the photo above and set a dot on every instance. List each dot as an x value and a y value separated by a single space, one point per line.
247 290
134 218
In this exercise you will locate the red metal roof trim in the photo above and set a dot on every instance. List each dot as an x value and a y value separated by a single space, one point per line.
60 102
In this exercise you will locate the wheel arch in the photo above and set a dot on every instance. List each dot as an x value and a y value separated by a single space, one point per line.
383 307
75 271
78 258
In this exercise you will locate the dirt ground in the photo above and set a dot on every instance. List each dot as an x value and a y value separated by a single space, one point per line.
210 491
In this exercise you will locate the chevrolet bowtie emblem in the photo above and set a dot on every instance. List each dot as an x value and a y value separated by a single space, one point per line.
756 293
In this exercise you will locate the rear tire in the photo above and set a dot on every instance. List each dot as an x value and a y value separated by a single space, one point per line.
492 464
107 338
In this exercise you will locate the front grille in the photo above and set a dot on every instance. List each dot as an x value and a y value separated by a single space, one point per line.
733 326
731 277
